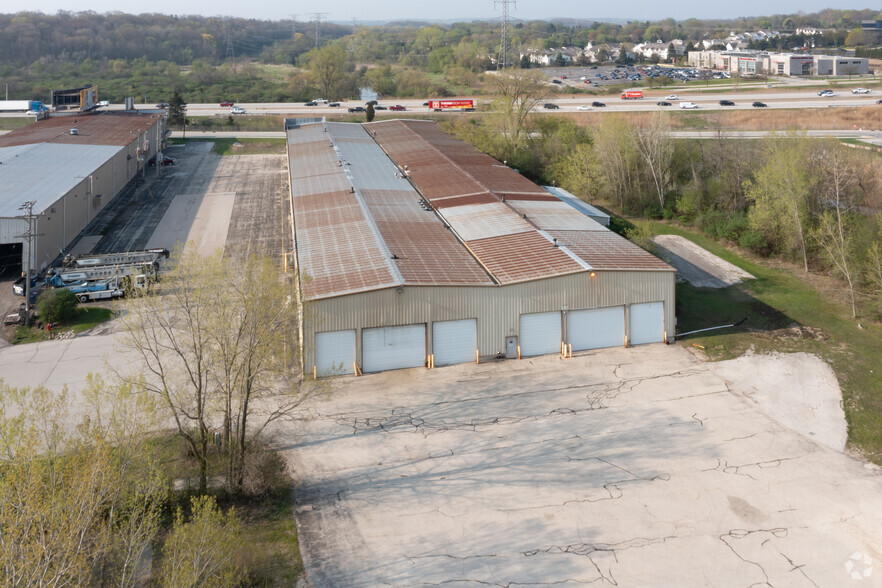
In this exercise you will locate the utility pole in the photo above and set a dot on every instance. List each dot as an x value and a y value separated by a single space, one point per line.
503 50
317 17
30 235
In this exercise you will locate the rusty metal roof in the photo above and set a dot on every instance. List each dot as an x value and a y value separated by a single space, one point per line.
118 128
400 202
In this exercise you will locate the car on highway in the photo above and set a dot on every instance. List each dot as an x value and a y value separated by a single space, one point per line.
357 109
378 107
397 107
671 97
370 103
237 110
160 105
583 107
861 91
227 103
311 103
759 104
879 101
563 77
556 82
596 104
334 104
726 103
688 105
663 103
550 106
826 93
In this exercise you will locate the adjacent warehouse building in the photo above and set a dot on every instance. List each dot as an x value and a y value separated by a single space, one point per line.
419 250
69 167
750 62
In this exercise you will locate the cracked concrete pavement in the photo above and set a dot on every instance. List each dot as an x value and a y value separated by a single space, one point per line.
697 265
628 467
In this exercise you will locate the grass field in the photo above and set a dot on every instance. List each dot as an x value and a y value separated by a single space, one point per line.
784 313
86 317
234 146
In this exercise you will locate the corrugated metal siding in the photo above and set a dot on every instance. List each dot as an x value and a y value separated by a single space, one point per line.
497 308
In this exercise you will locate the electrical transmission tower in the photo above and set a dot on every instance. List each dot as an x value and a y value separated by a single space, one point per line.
317 17
502 62
230 53
294 25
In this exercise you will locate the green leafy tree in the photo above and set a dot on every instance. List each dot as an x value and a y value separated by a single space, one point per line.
370 113
328 69
177 109
781 193
203 550
57 305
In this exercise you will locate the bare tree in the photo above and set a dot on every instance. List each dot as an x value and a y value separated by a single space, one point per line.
518 91
656 148
216 340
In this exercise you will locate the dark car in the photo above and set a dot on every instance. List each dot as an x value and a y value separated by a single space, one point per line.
550 106
663 103
397 107
357 109
879 101
378 107
162 105
425 103
334 104
165 161
227 103
726 103
596 104
370 103
311 103
758 104
556 82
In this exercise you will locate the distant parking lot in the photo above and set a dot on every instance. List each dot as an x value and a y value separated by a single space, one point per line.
597 76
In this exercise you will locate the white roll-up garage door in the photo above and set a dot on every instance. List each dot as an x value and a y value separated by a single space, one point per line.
647 323
540 333
334 353
596 328
392 348
454 341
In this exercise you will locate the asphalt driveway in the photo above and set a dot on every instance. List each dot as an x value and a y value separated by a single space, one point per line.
628 467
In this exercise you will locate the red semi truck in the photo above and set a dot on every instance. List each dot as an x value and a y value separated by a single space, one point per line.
632 95
442 105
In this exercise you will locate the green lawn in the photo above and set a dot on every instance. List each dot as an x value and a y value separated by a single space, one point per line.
233 146
786 314
85 318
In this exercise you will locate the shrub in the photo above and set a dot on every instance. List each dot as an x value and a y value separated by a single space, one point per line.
57 306
754 240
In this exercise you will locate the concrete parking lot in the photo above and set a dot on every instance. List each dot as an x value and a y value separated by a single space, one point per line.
628 467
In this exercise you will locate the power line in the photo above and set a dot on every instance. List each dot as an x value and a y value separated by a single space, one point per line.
503 50
317 17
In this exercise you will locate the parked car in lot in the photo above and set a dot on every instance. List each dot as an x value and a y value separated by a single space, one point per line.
663 103
598 104
827 93
237 110
550 106
726 103
583 107
860 91
357 109
227 103
397 107
688 105
759 104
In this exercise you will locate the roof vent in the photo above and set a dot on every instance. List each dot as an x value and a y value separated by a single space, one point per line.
74 132
555 241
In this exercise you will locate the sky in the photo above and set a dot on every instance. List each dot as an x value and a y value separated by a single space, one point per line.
346 10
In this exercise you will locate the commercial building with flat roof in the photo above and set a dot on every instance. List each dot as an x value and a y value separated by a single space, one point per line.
69 167
751 62
419 250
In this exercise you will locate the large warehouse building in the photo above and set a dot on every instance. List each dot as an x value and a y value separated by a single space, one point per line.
421 251
69 167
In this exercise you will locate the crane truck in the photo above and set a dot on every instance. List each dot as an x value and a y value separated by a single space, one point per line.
56 277
125 257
